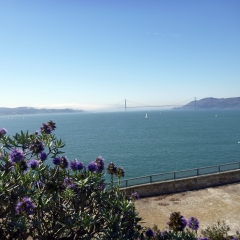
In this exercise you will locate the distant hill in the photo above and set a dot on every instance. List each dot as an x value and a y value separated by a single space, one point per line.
30 110
212 103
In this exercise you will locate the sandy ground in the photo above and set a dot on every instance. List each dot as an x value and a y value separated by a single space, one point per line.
208 205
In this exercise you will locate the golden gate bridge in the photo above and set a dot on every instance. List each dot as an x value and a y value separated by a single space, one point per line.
125 104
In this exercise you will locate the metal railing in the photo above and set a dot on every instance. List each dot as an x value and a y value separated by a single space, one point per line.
179 174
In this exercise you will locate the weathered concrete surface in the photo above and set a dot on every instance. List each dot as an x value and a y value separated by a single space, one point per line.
209 205
193 183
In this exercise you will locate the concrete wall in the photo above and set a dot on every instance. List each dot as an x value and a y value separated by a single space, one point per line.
186 184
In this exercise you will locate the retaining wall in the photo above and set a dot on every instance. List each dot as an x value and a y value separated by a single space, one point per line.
186 184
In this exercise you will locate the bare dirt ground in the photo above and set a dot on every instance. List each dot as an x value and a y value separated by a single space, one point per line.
208 205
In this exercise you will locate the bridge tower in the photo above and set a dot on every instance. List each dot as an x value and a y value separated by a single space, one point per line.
195 103
125 104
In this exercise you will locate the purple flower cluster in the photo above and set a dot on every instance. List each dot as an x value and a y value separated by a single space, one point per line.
36 146
68 183
42 156
16 155
193 223
100 163
61 161
92 167
33 164
57 161
3 132
203 238
111 169
97 165
150 233
177 222
119 172
134 196
75 165
25 206
48 127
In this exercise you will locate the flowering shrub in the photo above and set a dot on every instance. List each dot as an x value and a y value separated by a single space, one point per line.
181 229
66 201
178 228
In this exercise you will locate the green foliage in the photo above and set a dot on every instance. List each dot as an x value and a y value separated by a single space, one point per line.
218 231
44 202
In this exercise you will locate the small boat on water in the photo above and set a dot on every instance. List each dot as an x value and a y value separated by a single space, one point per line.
146 116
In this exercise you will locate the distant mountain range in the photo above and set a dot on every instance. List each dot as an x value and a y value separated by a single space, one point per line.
212 103
30 110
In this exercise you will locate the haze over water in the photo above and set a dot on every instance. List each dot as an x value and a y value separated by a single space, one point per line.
166 141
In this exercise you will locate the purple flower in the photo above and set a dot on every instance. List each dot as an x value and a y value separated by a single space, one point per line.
80 166
119 172
25 206
134 196
184 223
92 167
45 129
111 169
68 183
56 161
177 222
16 155
64 162
48 127
203 238
193 223
36 146
3 132
33 164
100 163
61 161
75 165
149 233
42 156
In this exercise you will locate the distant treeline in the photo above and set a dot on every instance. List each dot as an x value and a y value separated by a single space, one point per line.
30 110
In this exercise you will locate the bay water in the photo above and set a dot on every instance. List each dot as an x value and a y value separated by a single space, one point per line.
166 141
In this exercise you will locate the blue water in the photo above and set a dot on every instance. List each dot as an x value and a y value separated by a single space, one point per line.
166 141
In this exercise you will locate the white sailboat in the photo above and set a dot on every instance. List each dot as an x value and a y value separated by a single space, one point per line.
146 116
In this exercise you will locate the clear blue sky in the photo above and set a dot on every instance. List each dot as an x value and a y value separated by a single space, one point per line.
90 53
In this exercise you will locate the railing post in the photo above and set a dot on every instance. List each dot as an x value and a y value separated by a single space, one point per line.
150 179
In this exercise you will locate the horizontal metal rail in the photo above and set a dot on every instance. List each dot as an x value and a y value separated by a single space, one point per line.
195 172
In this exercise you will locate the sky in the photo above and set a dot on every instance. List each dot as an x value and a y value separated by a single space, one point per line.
94 54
